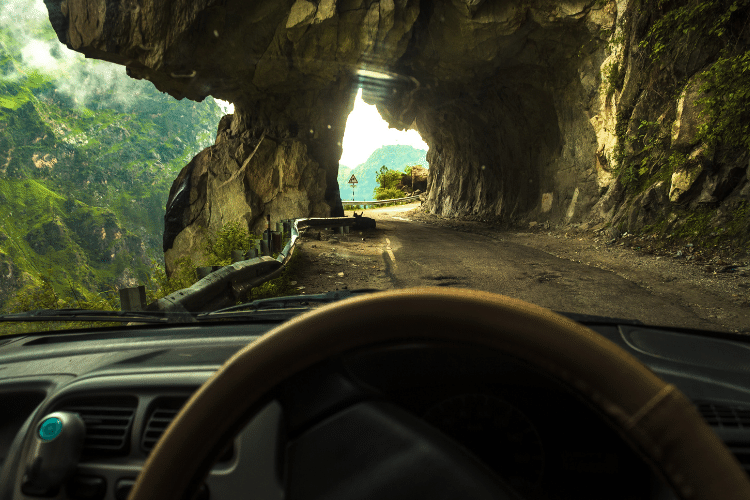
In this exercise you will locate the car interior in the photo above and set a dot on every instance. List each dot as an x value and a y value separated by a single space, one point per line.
467 394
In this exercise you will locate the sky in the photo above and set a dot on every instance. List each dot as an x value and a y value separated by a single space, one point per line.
366 131
226 107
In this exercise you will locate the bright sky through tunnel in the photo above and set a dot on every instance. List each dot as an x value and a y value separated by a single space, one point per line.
366 131
226 107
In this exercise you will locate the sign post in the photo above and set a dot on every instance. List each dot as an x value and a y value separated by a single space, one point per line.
353 183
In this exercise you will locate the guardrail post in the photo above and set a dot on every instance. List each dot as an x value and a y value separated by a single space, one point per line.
203 271
268 234
133 299
238 256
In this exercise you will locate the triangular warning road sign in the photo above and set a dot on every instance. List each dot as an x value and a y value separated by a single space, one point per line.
352 180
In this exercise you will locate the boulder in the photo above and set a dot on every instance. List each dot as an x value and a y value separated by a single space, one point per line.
717 185
689 116
683 181
685 177
222 185
415 181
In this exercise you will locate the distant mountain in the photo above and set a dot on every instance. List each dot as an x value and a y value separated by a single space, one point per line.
396 157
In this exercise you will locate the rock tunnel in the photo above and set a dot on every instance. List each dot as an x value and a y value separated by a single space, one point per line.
502 91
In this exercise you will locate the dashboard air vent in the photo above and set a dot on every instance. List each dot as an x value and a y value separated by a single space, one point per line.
730 419
108 424
742 452
725 416
161 415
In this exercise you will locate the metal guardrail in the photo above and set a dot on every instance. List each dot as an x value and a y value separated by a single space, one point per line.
380 202
225 286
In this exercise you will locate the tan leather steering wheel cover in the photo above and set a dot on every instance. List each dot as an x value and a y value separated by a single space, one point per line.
653 416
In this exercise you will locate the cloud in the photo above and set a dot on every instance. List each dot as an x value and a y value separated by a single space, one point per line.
226 107
38 54
95 84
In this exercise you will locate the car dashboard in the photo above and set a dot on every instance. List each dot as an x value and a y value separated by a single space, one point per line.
128 384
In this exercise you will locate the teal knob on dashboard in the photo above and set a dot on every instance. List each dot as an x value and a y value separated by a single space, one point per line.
54 457
50 428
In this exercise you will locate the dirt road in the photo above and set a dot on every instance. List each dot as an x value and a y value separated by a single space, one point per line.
564 274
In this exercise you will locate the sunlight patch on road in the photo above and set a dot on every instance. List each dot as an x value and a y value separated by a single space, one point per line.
389 251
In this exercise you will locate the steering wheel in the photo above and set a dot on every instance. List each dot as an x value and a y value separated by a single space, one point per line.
653 417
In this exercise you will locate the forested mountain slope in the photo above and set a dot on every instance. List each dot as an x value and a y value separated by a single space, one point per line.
87 156
395 157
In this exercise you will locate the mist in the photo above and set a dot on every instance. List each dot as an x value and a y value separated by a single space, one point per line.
86 82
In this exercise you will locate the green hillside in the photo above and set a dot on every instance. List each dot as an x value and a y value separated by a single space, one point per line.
396 157
87 157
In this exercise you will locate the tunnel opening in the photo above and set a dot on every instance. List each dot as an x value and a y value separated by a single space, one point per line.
369 144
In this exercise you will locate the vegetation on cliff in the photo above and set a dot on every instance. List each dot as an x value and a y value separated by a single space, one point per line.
87 156
682 96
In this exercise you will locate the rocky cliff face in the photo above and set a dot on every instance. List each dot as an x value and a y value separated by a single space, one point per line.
288 68
533 109
504 98
671 124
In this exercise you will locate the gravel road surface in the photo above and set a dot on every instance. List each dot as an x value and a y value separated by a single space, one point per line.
551 269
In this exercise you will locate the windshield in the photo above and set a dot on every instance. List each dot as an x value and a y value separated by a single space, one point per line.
588 157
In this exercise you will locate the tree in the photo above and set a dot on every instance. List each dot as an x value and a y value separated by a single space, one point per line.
389 181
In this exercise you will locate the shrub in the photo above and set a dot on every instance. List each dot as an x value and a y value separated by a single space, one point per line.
40 295
388 194
160 285
726 88
388 180
232 236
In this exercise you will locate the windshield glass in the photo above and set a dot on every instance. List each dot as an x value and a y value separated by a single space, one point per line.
588 157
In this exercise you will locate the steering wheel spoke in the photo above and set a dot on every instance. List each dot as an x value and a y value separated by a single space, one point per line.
377 451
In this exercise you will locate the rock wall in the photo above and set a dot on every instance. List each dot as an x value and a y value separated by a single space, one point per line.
670 179
504 99
582 113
